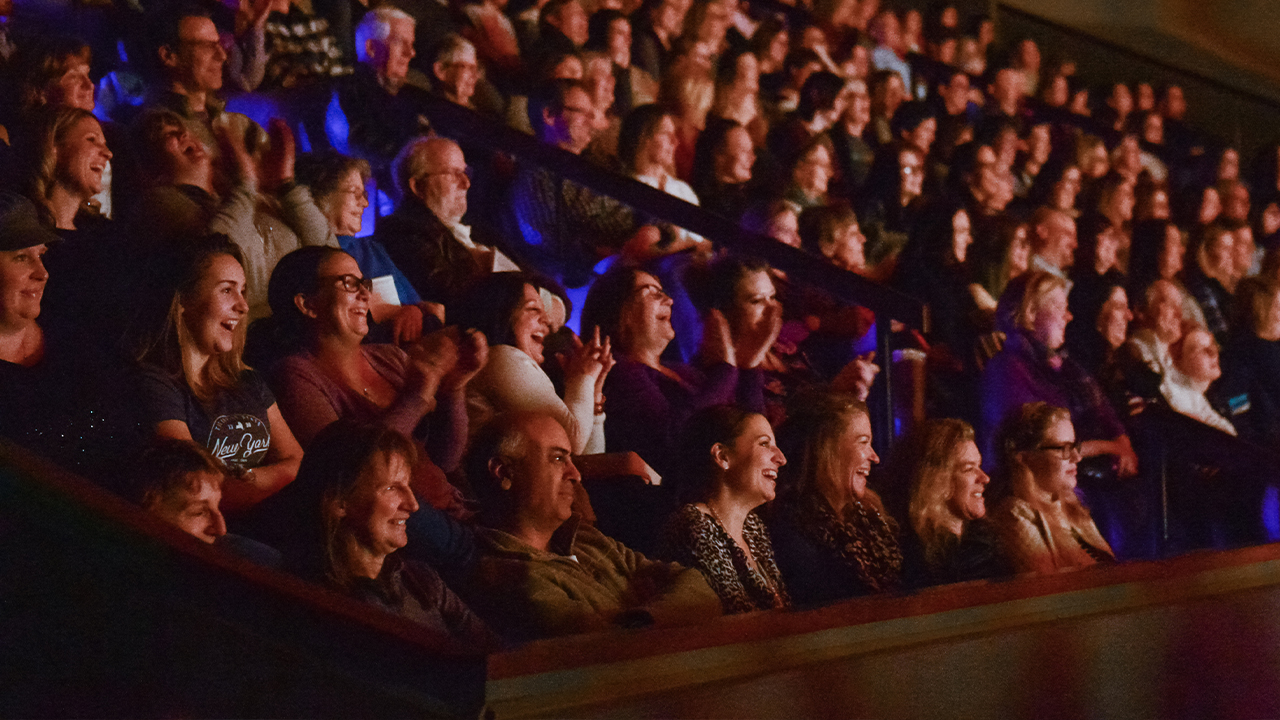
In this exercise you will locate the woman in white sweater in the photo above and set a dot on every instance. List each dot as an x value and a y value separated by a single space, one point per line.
508 308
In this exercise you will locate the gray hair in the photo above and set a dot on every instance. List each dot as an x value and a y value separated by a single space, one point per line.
376 25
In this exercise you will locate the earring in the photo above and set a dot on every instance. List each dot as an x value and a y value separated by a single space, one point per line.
724 466
505 484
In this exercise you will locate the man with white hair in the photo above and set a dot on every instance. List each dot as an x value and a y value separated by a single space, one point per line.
383 111
425 236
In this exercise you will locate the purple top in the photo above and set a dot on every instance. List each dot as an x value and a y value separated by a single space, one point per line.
310 400
1021 373
646 410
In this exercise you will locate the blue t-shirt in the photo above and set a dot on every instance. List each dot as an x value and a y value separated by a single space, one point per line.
234 426
374 262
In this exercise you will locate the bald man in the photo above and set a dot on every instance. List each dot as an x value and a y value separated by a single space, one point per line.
542 572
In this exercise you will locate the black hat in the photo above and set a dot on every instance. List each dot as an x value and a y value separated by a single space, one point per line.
20 225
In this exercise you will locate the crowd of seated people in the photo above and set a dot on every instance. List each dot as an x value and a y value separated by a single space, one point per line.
358 344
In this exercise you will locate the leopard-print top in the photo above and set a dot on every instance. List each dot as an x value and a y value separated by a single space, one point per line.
695 539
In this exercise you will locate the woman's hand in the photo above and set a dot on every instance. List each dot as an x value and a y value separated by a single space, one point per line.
233 150
583 360
606 357
858 376
430 359
276 166
473 353
406 324
717 344
753 349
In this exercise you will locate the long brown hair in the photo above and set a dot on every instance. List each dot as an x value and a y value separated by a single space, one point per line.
165 348
815 422
1024 430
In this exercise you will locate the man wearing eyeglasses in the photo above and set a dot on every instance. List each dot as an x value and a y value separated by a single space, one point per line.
425 236
188 58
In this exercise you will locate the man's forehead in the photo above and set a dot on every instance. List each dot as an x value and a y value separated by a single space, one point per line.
196 27
545 434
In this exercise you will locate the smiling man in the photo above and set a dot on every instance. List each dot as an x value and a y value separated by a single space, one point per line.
542 572
425 236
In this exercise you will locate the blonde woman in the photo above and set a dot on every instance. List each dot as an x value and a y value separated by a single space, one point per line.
950 540
1041 524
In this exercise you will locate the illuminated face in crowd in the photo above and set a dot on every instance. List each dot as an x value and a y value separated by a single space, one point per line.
753 298
1050 319
82 158
969 484
340 302
1113 319
854 457
752 460
646 316
1053 463
194 507
216 306
444 181
529 324
22 282
196 63
74 88
345 207
737 157
543 480
375 513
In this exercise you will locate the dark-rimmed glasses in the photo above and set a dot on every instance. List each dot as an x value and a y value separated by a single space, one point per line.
1066 451
349 282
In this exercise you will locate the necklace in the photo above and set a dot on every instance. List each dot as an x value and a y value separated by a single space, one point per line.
753 567
751 559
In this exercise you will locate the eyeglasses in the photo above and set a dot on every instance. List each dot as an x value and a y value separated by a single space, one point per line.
350 283
1066 451
651 290
457 174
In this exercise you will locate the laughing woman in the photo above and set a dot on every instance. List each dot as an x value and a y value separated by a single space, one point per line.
832 536
951 541
736 461
196 386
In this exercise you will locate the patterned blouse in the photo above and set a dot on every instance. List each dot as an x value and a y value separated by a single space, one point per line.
696 539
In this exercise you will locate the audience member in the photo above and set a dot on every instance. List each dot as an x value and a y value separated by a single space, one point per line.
950 539
832 537
195 385
734 470
542 572
1043 527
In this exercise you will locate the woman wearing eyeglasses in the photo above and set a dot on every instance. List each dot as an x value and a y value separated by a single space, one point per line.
1041 524
320 307
195 385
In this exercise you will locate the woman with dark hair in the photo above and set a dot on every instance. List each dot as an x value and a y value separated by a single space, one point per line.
355 501
737 95
320 306
337 183
649 401
810 176
831 535
1211 277
733 470
1159 253
1000 257
722 168
1057 186
1042 525
744 294
508 309
821 104
195 385
949 539
892 205
935 269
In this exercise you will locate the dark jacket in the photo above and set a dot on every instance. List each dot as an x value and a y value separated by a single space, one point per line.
439 267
